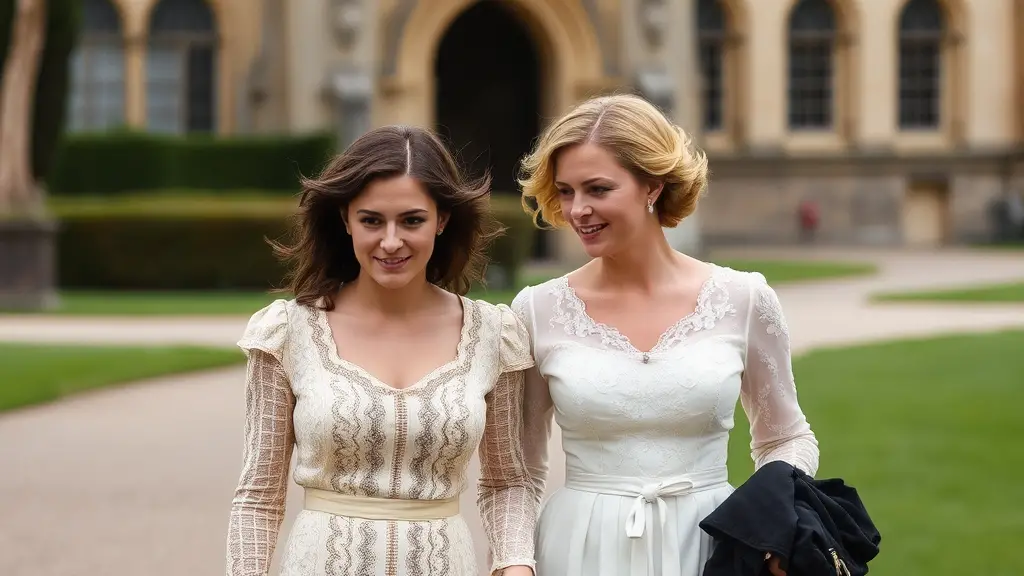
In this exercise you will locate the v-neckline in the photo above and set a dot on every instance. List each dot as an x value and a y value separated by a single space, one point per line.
460 351
698 308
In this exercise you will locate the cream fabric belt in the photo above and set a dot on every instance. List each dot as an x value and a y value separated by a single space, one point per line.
371 508
651 492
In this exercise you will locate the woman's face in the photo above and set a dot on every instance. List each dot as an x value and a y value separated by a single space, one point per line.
603 202
393 224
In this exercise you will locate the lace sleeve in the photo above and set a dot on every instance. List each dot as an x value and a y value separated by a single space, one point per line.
538 416
505 494
778 427
258 506
538 408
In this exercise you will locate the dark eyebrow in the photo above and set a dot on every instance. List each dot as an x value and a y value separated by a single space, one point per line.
406 213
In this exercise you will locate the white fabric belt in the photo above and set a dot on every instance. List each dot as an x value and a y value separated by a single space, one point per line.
651 492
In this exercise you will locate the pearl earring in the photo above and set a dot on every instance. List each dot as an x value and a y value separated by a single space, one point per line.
650 206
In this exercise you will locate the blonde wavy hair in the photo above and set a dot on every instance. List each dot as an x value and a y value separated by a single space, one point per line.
643 141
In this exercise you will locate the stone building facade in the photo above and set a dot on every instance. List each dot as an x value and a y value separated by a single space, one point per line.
899 121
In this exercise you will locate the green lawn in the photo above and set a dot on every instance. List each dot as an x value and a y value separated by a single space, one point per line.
785 271
32 374
498 296
87 303
997 293
929 433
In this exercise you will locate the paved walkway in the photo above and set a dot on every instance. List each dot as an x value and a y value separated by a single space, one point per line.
138 480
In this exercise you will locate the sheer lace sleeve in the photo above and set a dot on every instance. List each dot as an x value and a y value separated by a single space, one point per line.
538 408
538 416
778 427
257 509
505 495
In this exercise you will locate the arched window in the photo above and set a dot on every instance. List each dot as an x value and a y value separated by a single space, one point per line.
812 40
96 98
711 32
921 32
181 67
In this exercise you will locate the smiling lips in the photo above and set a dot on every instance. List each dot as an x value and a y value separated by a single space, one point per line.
590 232
392 264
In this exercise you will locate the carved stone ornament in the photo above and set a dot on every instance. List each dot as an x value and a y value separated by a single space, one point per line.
349 85
350 92
346 18
652 18
656 85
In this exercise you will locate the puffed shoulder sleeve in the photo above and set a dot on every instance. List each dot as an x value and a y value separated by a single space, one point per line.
515 342
267 330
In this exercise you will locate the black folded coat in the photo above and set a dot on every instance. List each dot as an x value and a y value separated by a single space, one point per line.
817 527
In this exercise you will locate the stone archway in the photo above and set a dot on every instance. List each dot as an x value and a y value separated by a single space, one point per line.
487 100
562 32
569 68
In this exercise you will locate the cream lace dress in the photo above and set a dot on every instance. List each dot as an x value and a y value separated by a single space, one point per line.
356 435
646 435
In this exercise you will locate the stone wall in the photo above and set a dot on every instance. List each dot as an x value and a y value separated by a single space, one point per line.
765 210
971 201
756 199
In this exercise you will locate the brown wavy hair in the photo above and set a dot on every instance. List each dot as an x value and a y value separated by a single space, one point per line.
322 257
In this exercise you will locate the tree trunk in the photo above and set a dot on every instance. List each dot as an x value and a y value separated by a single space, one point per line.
18 194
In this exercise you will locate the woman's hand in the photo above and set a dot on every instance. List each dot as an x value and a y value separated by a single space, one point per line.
773 565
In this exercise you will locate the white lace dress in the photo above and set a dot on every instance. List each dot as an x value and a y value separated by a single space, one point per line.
646 435
356 435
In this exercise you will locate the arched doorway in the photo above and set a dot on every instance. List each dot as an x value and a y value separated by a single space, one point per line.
488 79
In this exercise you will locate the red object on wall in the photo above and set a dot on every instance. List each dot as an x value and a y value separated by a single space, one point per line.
809 215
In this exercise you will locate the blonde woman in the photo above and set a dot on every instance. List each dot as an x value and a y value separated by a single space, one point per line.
642 353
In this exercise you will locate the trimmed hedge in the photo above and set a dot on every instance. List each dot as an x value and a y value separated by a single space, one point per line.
149 251
121 162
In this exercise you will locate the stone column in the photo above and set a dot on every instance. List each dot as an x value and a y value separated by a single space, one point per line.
687 113
350 84
668 77
1018 34
352 92
262 96
135 79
